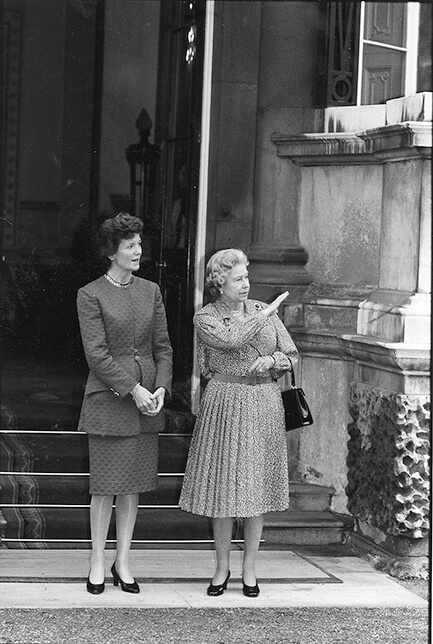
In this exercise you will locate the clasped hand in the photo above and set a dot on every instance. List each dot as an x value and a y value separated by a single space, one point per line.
147 403
261 365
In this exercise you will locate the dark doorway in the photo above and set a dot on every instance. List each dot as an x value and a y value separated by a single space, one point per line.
165 174
75 75
51 103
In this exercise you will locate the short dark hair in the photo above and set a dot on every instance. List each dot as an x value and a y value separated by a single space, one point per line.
114 229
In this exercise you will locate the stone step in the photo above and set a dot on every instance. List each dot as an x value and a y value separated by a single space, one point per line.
68 452
43 474
42 411
57 489
309 497
72 523
305 527
27 525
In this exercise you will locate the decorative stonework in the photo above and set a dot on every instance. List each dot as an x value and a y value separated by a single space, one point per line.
388 461
410 140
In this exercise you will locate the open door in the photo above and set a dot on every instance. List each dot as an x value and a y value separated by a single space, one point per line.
165 190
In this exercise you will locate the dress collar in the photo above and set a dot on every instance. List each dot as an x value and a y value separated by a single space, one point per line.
226 312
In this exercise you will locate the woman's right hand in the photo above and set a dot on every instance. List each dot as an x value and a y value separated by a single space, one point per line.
273 307
144 400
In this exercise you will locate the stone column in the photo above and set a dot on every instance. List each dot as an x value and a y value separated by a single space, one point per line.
233 124
289 35
277 257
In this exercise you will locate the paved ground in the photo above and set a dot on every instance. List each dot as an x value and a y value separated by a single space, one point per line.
49 579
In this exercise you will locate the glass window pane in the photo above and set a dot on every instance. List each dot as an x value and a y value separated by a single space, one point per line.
385 22
382 74
424 82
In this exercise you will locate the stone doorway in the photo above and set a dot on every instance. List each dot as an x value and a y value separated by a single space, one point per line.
76 75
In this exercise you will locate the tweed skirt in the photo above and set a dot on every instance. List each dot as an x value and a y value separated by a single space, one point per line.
123 465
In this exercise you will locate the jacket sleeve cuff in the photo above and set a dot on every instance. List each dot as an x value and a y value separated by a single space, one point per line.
124 388
161 382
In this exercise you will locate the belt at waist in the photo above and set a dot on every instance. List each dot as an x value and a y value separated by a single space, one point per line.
132 353
242 380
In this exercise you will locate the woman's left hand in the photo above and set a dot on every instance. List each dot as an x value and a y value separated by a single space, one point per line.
158 396
262 365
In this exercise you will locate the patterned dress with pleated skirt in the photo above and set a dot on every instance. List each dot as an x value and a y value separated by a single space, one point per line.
237 463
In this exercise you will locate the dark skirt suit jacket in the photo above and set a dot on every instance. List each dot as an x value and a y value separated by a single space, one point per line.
125 340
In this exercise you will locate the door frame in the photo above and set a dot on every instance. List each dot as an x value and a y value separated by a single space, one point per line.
200 239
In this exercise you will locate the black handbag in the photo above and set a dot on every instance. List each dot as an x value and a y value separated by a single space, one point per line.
296 410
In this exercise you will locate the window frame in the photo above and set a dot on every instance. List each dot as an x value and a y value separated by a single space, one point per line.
410 50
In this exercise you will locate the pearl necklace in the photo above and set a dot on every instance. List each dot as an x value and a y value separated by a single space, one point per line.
116 283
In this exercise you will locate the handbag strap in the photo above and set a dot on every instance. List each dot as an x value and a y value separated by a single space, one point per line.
292 372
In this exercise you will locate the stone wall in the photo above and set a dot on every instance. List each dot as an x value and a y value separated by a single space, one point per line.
322 448
363 324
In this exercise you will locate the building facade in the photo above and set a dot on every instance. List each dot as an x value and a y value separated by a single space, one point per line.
299 132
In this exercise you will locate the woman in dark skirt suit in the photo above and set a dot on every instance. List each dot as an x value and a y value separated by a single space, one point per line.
125 339
237 463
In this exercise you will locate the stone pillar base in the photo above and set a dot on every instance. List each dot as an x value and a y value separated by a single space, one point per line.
396 316
276 268
408 566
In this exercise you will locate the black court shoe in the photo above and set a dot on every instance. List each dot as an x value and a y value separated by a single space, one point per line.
218 589
127 588
250 591
95 589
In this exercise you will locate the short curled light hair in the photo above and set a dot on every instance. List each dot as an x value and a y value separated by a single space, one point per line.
218 266
114 229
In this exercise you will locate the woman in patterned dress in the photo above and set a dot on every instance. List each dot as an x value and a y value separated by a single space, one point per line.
125 339
237 463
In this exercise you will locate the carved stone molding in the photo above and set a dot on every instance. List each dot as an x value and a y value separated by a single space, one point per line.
272 265
387 143
411 361
388 463
394 137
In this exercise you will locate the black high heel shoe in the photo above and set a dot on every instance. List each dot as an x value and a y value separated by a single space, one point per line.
95 589
214 590
127 588
250 591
